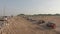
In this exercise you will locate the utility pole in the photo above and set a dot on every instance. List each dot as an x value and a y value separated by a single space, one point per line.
4 10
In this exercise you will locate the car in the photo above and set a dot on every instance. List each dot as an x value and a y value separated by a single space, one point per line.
51 25
40 21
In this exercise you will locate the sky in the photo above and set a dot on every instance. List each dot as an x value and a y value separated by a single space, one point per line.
15 7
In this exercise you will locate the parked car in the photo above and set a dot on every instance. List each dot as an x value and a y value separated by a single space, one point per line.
51 25
40 21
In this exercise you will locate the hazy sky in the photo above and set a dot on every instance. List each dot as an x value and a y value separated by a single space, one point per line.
29 7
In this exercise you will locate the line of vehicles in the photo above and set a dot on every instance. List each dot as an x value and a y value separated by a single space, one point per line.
48 24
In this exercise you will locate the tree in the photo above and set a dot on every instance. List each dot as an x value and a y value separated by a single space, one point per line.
20 14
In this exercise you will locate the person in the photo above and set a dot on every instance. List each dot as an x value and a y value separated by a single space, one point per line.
5 18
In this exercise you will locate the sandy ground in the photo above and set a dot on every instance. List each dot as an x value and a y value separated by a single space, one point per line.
54 19
19 25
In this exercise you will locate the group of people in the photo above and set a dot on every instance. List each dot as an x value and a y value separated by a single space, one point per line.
49 24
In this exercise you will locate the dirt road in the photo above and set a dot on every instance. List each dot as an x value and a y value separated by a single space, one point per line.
18 25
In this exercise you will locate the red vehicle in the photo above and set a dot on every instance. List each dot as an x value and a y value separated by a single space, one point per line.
51 25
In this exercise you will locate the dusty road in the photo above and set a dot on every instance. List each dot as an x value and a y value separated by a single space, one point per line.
54 19
18 25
